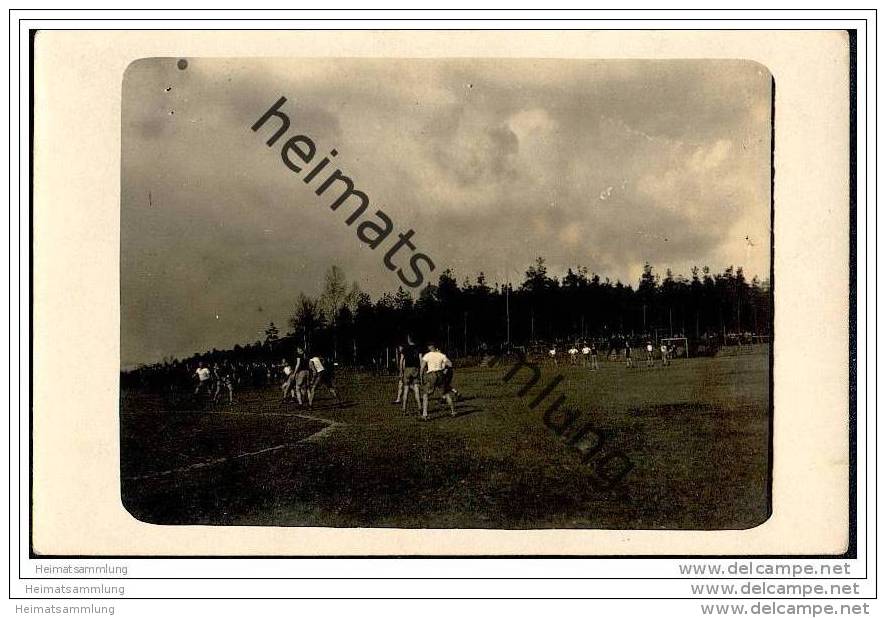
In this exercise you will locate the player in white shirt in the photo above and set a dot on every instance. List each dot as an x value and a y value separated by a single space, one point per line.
322 372
204 379
650 360
585 355
433 366
665 361
288 386
553 354
573 355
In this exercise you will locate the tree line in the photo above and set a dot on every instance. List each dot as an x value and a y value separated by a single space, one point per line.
475 317
472 316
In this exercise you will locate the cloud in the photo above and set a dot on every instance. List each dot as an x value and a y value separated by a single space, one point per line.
532 123
491 162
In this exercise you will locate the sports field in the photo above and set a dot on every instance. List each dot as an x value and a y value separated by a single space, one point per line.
695 434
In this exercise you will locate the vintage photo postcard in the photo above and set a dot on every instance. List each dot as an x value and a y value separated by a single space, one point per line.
454 293
375 301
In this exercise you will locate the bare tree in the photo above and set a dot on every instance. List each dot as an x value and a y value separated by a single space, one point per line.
334 297
306 318
353 297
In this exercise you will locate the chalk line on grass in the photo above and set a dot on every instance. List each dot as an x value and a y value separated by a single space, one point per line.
330 427
314 437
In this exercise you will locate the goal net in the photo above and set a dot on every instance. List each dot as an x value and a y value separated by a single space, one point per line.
678 346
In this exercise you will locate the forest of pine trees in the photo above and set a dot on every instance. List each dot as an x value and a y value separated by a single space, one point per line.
473 315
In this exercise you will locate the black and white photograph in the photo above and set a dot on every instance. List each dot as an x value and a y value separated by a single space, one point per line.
323 307
446 293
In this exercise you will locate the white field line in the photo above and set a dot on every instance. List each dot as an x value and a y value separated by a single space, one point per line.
330 427
314 437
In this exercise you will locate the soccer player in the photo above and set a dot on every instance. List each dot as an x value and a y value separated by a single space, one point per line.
585 354
410 372
594 365
302 375
432 373
628 362
665 361
615 343
448 375
553 354
223 379
288 380
650 360
399 359
573 354
204 379
322 372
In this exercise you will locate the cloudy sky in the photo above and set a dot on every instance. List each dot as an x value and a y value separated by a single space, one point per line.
605 164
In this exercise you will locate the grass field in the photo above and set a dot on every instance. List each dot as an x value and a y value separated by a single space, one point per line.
696 435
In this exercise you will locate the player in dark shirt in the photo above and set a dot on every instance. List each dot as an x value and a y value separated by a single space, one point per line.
302 375
410 362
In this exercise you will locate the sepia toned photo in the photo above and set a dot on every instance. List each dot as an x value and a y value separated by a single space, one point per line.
487 293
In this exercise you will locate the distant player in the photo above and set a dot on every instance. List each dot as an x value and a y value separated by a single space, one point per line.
553 354
399 359
573 355
650 360
410 371
665 361
615 343
321 370
223 380
585 355
432 374
628 362
204 379
594 365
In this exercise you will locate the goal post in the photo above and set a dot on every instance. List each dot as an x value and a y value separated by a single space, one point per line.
680 346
